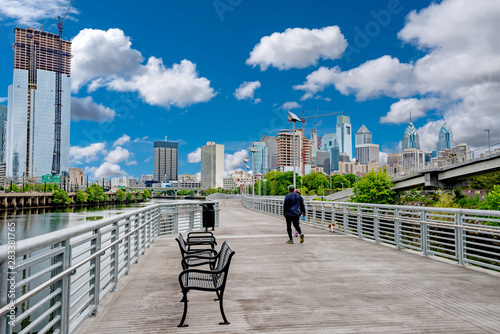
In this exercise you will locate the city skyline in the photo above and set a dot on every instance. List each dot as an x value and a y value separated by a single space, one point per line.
231 82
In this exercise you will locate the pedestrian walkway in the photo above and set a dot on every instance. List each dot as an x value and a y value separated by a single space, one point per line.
329 284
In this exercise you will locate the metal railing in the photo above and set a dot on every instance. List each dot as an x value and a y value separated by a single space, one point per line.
52 282
460 235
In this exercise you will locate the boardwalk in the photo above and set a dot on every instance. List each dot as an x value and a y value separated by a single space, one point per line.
329 284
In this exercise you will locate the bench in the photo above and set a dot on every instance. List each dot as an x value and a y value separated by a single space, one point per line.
207 280
198 241
208 252
197 237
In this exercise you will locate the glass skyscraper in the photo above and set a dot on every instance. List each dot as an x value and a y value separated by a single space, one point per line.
344 135
30 131
261 158
445 138
3 124
410 137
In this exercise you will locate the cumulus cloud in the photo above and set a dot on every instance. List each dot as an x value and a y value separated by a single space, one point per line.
3 99
106 59
298 48
290 105
234 161
400 111
246 90
89 153
382 157
106 170
195 156
118 155
31 12
459 72
122 140
85 109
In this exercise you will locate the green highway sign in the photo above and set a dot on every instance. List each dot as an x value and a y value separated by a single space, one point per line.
56 178
47 178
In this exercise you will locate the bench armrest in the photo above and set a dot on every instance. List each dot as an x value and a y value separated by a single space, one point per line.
201 234
201 250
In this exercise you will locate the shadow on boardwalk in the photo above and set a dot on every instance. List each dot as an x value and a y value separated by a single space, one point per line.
329 284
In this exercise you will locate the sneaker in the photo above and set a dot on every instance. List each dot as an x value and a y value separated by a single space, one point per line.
301 238
296 234
289 241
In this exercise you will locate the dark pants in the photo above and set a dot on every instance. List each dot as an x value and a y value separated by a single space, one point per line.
295 220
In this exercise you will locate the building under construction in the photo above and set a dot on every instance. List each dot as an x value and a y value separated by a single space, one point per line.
32 98
302 152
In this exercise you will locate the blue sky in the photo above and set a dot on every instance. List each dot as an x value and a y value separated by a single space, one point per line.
198 71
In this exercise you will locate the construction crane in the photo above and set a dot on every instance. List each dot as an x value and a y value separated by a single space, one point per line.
303 121
56 159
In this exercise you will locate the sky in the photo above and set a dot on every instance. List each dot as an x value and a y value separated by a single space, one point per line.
228 70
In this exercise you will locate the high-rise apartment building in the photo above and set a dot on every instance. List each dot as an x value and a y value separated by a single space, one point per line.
410 137
366 151
166 161
344 135
212 165
445 138
413 159
272 152
3 125
31 120
261 158
302 152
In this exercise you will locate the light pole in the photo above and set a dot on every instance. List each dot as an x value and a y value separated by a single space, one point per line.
253 150
265 187
245 180
488 140
301 186
293 118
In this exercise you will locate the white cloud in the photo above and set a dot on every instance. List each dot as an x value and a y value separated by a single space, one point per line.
122 140
106 59
31 12
382 157
290 105
85 109
148 159
297 48
246 90
195 156
234 161
257 100
198 176
3 99
118 155
400 111
106 170
89 153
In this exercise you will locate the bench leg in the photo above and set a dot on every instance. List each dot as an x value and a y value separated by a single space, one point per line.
185 300
221 298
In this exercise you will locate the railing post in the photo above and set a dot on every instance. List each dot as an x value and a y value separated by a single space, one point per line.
176 217
323 218
129 241
96 281
376 225
314 214
66 289
359 226
397 226
143 229
137 234
116 250
191 215
424 233
345 219
459 239
3 294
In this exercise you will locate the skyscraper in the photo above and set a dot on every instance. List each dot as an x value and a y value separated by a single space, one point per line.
212 165
302 152
445 138
366 151
3 124
410 137
166 161
31 120
272 152
260 157
344 135
330 144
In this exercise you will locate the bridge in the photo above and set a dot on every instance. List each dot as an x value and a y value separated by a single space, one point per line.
358 275
451 176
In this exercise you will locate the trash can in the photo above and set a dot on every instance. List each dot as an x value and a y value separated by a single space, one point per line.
208 215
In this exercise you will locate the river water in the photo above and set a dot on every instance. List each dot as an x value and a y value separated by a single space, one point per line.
34 222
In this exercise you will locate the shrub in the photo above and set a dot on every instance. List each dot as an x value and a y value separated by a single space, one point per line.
61 197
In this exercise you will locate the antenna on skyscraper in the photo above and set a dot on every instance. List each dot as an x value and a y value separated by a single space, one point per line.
410 115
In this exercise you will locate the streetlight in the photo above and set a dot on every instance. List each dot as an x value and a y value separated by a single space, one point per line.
265 187
293 118
253 150
488 141
301 186
245 172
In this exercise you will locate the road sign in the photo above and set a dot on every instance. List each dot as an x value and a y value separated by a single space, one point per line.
47 178
56 178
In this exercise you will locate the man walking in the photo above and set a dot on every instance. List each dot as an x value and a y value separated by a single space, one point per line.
293 207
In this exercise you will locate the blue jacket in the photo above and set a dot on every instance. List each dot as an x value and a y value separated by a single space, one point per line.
293 205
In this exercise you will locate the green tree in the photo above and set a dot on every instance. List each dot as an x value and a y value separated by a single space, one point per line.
120 195
61 197
146 195
81 197
129 196
374 188
96 193
492 200
351 178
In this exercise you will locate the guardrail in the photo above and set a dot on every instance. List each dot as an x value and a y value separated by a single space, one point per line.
51 283
456 234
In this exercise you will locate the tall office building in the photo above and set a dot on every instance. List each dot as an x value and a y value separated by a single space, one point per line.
31 120
445 138
344 135
330 144
410 137
272 152
3 125
166 161
413 159
212 165
260 157
366 151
